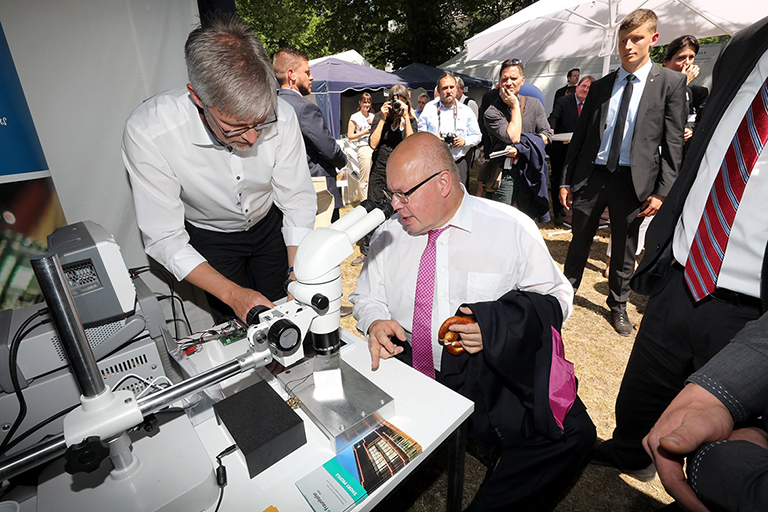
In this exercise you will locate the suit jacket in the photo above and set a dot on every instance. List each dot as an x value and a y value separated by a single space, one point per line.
657 140
732 68
324 155
519 377
563 119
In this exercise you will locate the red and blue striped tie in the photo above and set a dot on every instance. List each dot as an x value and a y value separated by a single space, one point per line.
708 247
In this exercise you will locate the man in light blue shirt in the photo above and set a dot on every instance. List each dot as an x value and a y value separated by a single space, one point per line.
453 122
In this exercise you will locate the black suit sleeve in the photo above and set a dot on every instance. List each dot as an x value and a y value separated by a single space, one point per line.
556 115
316 133
672 142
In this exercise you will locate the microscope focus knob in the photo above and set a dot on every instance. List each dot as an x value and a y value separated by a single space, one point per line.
252 318
284 335
85 456
320 302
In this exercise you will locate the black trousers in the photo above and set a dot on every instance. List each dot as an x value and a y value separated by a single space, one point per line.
615 190
535 474
676 338
255 259
556 151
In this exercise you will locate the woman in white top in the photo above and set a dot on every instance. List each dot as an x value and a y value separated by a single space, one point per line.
359 130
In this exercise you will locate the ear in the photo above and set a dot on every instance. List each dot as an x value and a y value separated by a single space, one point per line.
291 74
446 183
194 96
655 39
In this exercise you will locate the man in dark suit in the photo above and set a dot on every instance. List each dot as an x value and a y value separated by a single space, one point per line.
625 154
573 79
563 119
679 333
324 155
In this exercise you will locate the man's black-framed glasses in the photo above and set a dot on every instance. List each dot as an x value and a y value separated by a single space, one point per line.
403 196
272 119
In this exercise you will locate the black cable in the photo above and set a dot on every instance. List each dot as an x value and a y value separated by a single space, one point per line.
183 309
221 473
40 425
21 333
166 276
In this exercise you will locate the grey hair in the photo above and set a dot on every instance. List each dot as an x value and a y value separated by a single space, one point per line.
230 70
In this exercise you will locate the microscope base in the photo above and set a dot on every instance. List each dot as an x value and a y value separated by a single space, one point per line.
174 473
344 419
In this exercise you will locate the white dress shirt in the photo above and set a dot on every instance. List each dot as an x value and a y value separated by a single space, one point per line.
489 250
638 86
742 263
179 172
438 119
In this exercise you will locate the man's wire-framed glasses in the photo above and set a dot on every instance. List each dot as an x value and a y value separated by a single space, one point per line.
272 119
402 197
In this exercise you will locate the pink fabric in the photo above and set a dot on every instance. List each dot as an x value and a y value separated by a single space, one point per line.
562 381
422 308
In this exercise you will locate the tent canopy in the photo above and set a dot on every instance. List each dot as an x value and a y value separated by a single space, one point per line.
421 75
335 76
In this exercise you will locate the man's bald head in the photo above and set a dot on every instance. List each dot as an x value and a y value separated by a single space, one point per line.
422 154
420 157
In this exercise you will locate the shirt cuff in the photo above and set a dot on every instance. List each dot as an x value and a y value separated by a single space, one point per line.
294 235
184 262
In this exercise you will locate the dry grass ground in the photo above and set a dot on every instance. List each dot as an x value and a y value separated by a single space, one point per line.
599 355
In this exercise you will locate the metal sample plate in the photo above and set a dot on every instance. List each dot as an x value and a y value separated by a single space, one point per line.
346 417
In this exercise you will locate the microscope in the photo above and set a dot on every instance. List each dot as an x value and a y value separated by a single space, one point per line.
163 471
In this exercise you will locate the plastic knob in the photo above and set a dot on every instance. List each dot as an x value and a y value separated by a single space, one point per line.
252 318
284 335
85 456
320 301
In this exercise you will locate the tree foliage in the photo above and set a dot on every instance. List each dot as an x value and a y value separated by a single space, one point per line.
385 32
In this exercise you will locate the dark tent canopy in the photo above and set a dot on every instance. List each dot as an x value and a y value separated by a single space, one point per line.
421 75
334 76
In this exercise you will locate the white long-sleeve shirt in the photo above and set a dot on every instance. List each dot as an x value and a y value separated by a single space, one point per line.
490 249
179 172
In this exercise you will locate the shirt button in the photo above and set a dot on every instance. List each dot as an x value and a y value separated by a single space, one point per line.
246 210
238 177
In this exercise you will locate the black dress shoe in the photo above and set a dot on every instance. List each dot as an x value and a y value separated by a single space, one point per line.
603 455
621 323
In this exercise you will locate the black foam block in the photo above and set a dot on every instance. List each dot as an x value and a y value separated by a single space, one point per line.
264 427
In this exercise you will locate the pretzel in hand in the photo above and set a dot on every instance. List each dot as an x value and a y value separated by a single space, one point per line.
450 338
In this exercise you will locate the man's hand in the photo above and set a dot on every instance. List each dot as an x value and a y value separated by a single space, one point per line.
511 151
651 205
693 418
509 98
241 300
687 134
458 141
566 197
471 337
379 342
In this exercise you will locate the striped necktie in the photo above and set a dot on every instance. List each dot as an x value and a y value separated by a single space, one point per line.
422 308
708 246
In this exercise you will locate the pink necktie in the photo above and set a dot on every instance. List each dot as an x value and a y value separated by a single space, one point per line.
708 247
421 331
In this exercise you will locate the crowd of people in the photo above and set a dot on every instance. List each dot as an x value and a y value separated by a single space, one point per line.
221 171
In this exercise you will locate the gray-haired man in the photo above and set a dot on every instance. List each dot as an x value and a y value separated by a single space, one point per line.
220 181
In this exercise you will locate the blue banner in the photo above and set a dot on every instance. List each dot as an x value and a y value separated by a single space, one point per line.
19 145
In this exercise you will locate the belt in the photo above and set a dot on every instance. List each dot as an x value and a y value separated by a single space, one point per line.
621 168
729 296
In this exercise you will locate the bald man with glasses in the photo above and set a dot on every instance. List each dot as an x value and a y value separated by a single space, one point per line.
442 250
220 181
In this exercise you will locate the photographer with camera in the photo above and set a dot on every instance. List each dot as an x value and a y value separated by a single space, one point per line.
391 125
453 122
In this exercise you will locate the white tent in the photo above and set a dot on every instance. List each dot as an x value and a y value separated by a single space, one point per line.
556 29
